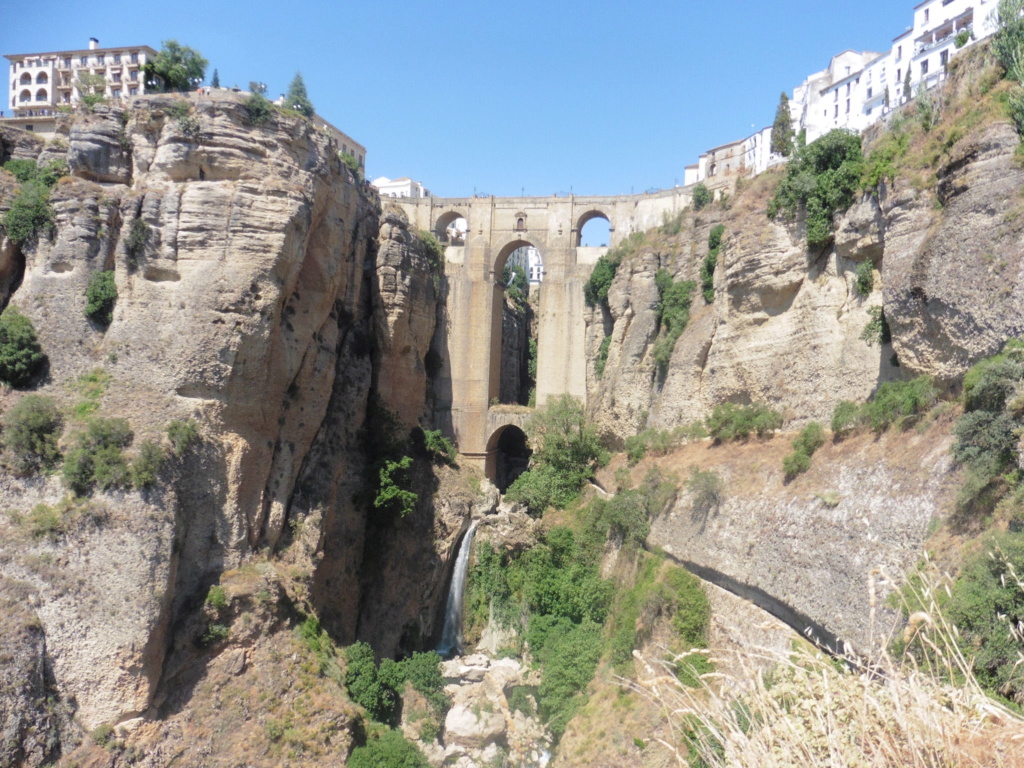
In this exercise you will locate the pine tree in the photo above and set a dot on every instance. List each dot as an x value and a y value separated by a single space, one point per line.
215 83
782 128
297 98
906 86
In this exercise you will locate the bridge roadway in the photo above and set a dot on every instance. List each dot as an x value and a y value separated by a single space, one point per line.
497 226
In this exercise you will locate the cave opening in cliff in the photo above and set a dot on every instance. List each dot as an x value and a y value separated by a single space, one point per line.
519 274
511 455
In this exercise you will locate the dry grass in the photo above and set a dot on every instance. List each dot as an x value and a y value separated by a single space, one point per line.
924 709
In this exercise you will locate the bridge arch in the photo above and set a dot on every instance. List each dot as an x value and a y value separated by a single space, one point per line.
508 455
510 247
446 220
585 218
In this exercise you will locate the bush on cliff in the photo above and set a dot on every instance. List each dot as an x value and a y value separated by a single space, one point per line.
729 421
674 314
31 431
21 357
387 749
900 403
810 439
97 459
30 214
823 179
566 451
100 297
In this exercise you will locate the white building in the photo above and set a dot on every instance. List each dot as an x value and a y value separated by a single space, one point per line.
42 82
530 260
858 88
403 187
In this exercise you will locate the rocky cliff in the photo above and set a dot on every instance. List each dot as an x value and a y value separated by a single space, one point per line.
262 293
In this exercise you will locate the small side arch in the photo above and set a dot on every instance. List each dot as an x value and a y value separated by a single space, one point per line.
451 228
41 95
42 79
508 456
25 96
588 217
26 78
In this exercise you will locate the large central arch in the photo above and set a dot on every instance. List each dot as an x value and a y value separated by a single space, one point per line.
497 345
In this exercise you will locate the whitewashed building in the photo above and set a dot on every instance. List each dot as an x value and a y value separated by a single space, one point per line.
42 82
403 187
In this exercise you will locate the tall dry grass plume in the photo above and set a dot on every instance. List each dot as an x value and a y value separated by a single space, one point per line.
922 708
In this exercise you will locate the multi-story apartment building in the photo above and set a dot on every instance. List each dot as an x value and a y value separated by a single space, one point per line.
42 82
859 88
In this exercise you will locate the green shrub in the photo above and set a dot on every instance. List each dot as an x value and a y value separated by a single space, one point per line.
702 196
810 439
884 162
102 735
989 383
571 659
865 282
100 296
729 421
23 170
257 109
146 466
707 269
566 451
21 357
602 356
97 459
135 242
674 314
439 447
595 291
363 683
390 494
216 598
962 38
795 464
183 434
352 164
707 489
985 604
845 417
876 331
823 178
30 214
899 402
52 172
387 750
31 431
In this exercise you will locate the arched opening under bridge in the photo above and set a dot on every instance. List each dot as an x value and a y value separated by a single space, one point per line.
514 328
593 230
451 228
511 452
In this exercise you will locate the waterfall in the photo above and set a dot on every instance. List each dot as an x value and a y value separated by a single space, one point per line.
451 634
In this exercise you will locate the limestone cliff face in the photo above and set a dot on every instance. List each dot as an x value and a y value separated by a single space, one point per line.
784 327
254 296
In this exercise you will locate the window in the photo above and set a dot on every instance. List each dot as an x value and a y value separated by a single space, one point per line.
847 106
899 75
924 67
134 91
101 58
135 58
67 63
837 112
133 75
847 89
84 61
869 93
835 95
117 58
927 13
117 77
899 52
116 93
41 94
944 58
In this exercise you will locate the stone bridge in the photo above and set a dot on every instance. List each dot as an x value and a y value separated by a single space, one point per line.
497 226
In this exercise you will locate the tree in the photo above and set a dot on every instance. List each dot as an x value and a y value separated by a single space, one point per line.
886 97
782 129
91 88
215 82
21 357
906 85
257 87
297 98
176 67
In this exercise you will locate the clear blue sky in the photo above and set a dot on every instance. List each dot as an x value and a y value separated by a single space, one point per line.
594 97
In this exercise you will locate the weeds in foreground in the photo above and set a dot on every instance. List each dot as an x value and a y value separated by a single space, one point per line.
921 708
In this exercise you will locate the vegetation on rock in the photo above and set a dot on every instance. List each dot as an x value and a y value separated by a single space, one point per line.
175 67
100 297
822 179
21 357
31 430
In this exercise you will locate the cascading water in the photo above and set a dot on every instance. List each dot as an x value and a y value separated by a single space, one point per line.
451 634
